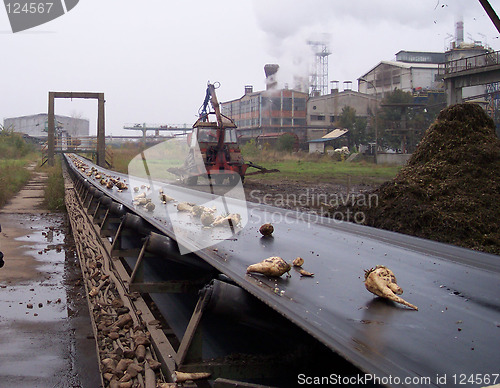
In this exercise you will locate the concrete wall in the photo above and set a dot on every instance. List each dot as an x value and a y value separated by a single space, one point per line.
397 159
36 125
316 148
425 78
331 105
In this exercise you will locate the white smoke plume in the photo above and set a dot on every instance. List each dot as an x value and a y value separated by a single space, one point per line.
351 25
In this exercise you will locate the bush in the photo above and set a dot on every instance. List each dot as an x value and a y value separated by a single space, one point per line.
249 149
13 146
286 143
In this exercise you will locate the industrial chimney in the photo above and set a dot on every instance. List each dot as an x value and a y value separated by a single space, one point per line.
271 80
459 32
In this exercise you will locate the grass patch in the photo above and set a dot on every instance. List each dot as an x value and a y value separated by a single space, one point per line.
299 166
328 171
15 155
313 168
123 155
54 190
13 176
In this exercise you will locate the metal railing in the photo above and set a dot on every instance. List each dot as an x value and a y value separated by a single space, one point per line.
464 64
84 144
74 144
161 127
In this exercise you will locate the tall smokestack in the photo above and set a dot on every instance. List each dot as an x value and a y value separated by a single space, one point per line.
271 80
459 32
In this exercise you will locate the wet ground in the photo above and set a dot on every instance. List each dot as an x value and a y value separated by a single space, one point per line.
46 337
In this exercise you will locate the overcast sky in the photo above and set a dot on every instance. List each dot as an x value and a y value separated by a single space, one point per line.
153 58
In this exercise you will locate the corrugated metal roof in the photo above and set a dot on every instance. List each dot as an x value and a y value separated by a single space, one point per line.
335 133
409 65
405 65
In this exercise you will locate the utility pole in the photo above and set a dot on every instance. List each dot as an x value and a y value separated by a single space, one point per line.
376 111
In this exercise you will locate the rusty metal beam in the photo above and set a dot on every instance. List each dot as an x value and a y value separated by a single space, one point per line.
190 347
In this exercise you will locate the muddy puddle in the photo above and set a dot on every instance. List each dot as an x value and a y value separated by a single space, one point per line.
43 298
46 337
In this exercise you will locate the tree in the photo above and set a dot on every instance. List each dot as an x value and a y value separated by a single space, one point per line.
355 125
404 118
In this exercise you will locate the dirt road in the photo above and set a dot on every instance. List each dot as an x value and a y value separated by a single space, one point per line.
46 337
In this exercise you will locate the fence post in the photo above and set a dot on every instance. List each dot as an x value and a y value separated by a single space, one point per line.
101 141
51 130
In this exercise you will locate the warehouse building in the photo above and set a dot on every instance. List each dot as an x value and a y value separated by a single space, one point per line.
36 126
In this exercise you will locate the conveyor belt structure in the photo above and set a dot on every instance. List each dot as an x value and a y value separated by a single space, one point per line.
455 332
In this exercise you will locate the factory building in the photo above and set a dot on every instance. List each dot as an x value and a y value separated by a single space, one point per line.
36 126
324 111
412 72
269 111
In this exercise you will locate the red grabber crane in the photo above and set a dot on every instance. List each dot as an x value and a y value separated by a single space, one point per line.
215 135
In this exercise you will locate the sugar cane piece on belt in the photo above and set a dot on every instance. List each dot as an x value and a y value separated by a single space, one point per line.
207 218
180 377
266 229
381 281
185 207
232 219
272 266
121 185
140 196
164 198
198 210
303 272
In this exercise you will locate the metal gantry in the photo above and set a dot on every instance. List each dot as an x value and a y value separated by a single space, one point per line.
101 144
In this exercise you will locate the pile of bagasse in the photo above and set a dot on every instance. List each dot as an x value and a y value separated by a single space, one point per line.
449 190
